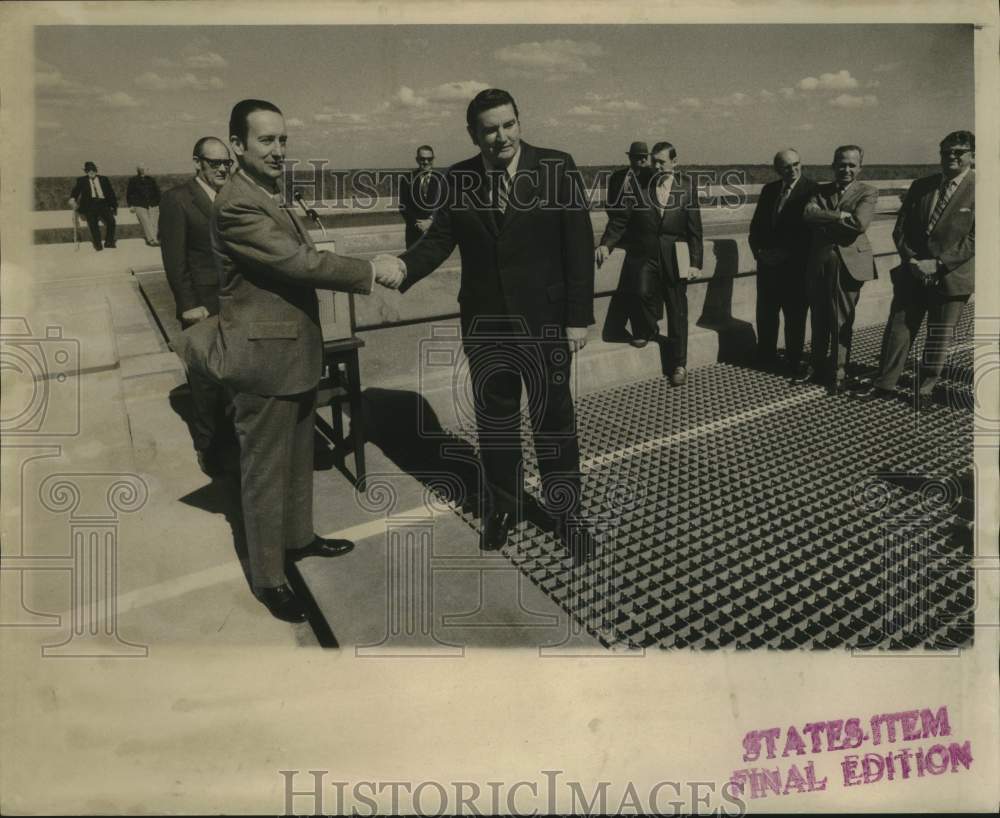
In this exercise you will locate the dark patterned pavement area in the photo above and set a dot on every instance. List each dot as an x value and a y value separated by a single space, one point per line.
745 511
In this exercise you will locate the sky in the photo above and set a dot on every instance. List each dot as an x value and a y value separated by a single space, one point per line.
366 96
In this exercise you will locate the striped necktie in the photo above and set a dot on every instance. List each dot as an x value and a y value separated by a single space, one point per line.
503 192
943 197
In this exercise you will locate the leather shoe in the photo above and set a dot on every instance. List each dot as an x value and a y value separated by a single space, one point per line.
321 547
680 376
638 343
282 603
871 392
806 374
496 531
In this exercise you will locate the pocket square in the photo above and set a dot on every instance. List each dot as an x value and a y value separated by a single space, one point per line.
965 210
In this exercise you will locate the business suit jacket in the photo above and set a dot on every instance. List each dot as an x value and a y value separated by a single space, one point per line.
616 202
653 256
848 237
186 247
142 191
785 231
84 198
539 264
269 340
953 239
414 206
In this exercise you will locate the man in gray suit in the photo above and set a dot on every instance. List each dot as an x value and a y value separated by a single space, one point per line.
186 249
267 348
935 234
840 262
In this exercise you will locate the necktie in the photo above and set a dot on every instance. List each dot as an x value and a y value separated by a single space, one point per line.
663 192
503 191
423 187
942 202
785 193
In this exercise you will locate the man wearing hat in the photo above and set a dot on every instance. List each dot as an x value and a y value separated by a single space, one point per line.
94 197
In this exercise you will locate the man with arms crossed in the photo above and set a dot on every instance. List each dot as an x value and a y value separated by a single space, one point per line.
268 348
186 249
935 234
779 240
519 217
840 262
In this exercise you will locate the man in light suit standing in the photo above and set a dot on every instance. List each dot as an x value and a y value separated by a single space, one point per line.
519 216
186 249
267 348
840 262
935 234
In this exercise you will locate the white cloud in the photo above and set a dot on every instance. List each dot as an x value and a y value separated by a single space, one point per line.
119 99
854 101
886 67
805 126
606 106
768 96
408 98
461 91
341 117
553 58
295 122
690 102
204 60
736 98
596 127
151 81
162 62
840 81
872 84
787 93
551 122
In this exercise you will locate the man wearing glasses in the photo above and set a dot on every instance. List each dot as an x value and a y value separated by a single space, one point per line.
186 249
420 194
935 234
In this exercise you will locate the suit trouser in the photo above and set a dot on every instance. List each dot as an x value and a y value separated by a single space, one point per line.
646 313
833 301
276 471
781 288
96 214
209 399
499 360
910 303
149 218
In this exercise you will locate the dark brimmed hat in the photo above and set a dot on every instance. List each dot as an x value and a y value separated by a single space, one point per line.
638 149
89 166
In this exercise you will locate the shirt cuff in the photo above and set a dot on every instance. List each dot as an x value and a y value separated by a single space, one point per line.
371 281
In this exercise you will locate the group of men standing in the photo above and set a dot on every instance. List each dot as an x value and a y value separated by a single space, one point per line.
93 196
245 271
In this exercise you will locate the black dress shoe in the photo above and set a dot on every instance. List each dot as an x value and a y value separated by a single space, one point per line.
282 603
321 547
496 531
871 392
805 374
110 244
638 343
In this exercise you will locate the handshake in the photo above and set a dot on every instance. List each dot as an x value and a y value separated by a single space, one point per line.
390 271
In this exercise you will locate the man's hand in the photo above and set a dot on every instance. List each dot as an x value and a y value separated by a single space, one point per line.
423 225
601 255
924 270
390 271
693 273
577 337
194 315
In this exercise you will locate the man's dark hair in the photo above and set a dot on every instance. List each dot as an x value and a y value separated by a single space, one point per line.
485 101
659 147
424 148
845 148
89 166
959 138
241 110
199 146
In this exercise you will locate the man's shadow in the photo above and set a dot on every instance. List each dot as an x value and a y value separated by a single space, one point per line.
405 427
737 339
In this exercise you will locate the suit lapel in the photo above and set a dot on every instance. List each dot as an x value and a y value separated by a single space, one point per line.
953 202
485 194
927 200
200 198
280 216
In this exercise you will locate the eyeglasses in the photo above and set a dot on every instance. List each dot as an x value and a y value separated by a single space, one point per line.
217 163
956 152
425 159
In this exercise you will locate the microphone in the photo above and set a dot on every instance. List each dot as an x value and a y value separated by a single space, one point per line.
310 213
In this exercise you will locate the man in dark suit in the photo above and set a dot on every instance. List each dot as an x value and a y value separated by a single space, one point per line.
186 249
520 219
840 262
143 198
95 198
779 240
420 194
267 347
666 213
935 234
618 182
